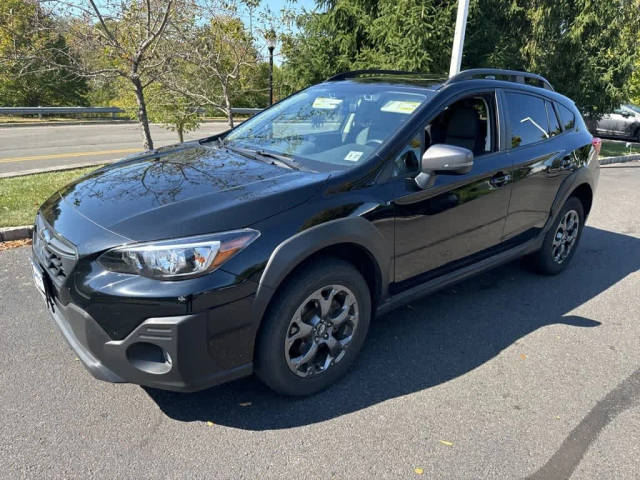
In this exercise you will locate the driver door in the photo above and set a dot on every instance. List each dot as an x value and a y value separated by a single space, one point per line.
460 216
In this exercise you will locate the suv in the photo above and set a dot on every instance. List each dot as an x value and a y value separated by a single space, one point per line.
270 247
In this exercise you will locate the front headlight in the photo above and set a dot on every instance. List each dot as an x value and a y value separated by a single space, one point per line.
180 258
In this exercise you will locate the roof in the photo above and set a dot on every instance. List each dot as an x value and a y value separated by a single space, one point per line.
435 82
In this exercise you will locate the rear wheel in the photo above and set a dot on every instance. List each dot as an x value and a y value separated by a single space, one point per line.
315 328
561 241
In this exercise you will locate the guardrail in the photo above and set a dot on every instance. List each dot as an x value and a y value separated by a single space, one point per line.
40 111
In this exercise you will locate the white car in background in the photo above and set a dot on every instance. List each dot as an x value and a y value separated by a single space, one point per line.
623 122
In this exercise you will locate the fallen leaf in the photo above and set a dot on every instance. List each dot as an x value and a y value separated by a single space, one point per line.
523 356
419 471
558 417
245 404
448 444
210 423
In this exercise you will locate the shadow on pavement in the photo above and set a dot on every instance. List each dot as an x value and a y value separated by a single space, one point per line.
440 337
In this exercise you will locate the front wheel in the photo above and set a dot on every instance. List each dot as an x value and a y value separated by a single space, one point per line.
315 328
561 240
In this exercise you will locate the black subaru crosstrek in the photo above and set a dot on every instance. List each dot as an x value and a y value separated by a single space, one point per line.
269 248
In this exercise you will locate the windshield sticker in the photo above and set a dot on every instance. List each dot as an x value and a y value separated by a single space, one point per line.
400 106
353 156
324 103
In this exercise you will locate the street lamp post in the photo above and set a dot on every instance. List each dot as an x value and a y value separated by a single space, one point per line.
271 45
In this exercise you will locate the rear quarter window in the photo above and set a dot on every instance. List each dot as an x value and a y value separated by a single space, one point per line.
567 118
527 118
554 125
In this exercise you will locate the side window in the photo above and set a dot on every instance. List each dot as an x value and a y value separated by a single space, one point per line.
527 118
554 125
469 123
567 118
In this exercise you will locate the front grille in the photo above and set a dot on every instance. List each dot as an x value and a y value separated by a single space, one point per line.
56 254
54 264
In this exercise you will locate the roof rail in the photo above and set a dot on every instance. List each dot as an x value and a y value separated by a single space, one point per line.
360 73
512 76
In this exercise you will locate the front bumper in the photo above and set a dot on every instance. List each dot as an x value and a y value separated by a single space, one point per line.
179 353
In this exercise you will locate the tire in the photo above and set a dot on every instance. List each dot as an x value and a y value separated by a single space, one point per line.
561 241
297 322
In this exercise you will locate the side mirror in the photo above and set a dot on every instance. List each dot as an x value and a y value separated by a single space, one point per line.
443 159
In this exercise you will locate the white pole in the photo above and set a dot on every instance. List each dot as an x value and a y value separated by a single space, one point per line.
458 39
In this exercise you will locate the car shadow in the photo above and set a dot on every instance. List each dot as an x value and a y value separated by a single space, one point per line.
436 339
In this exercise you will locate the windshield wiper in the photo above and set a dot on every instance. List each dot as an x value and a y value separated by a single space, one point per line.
242 151
257 154
283 159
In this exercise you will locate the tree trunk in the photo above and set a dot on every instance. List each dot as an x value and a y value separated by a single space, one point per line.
227 107
180 130
143 119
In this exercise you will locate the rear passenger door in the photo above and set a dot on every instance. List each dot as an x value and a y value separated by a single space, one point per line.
541 161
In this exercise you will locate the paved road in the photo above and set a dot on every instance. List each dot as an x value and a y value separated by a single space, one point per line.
27 148
523 375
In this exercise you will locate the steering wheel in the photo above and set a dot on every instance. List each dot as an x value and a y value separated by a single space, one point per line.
374 141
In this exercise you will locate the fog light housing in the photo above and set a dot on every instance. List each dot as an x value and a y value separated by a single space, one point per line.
149 358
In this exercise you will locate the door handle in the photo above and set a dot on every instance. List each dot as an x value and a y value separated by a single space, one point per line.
500 179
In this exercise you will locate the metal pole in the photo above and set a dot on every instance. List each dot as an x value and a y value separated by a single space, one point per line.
458 39
271 75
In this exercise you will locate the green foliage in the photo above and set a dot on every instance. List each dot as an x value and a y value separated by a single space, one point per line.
219 66
634 84
586 48
173 110
26 79
20 197
353 34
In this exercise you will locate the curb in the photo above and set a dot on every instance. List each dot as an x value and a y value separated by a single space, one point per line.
620 159
15 233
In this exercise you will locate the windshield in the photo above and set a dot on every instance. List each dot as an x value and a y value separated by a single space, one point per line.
331 125
635 108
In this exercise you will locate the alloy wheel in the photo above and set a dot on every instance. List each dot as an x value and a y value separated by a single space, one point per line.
321 330
565 237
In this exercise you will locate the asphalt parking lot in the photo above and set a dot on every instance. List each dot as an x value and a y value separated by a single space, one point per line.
507 375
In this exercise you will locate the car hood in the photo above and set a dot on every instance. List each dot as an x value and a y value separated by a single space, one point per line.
186 190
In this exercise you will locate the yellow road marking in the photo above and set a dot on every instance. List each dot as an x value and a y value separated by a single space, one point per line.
68 155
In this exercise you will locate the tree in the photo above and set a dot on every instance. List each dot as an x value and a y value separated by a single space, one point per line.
351 34
30 83
217 57
126 39
174 111
586 49
171 109
634 84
